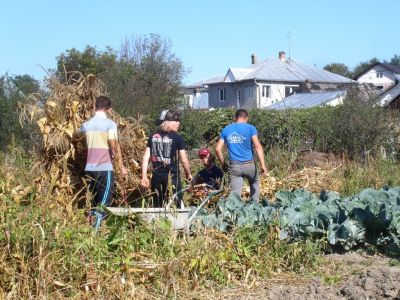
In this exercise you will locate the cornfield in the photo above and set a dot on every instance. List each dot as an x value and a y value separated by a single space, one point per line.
61 159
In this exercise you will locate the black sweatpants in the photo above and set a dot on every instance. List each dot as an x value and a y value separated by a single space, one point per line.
159 186
101 186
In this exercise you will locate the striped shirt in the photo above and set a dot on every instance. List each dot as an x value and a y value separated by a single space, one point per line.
99 130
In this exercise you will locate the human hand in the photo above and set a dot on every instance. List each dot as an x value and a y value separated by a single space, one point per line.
264 171
225 167
124 171
145 182
189 177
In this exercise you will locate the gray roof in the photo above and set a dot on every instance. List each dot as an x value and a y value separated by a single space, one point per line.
390 95
307 100
273 69
202 83
393 68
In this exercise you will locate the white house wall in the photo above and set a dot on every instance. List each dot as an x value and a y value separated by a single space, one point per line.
256 101
277 94
387 79
335 102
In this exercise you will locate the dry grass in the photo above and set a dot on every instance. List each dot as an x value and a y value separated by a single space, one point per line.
61 159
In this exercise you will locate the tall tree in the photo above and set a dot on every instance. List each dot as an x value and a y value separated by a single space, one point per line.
395 60
338 68
88 61
144 77
157 72
12 91
362 66
26 84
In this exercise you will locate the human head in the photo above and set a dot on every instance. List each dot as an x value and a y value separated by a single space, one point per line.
103 103
241 115
206 157
169 120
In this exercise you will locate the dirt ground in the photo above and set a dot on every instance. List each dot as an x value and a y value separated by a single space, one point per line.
358 276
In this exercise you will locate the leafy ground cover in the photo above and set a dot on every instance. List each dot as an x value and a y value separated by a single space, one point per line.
47 251
371 217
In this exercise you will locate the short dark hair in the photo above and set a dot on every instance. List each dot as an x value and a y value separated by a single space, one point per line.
103 102
241 113
172 115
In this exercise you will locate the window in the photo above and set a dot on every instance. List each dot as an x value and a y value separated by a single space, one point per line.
238 98
249 92
266 91
290 90
379 75
222 94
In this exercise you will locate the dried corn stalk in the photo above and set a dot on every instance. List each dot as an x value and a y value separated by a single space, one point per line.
314 179
61 158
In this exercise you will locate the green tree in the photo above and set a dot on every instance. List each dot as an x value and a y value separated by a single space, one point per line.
338 68
144 76
12 91
157 75
88 61
362 66
395 60
26 84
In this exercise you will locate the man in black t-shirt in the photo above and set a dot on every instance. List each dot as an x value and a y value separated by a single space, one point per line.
165 148
211 174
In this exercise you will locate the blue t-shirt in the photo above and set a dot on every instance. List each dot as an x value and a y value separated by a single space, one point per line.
237 137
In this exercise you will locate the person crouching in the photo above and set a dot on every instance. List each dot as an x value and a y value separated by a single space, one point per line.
210 175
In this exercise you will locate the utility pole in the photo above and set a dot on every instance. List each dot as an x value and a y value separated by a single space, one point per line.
289 37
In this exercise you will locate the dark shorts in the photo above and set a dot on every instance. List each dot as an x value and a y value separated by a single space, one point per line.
159 186
101 186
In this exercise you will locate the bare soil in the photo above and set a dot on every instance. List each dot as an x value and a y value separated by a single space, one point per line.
358 276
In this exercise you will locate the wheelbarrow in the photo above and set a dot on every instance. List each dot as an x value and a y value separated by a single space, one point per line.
179 217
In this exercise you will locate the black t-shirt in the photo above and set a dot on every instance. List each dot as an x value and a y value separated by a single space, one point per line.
211 177
164 147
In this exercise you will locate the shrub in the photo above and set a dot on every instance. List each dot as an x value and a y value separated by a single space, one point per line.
356 127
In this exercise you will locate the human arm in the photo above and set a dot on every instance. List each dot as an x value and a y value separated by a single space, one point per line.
185 164
196 179
78 133
220 156
260 154
117 156
145 165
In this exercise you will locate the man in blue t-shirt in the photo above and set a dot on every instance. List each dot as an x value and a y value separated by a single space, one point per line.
240 138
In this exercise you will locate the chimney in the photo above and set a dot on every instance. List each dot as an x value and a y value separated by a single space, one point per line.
254 59
282 56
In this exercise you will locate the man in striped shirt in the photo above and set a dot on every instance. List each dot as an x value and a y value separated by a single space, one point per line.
103 147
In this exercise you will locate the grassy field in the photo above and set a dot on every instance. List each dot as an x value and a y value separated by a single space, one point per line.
49 252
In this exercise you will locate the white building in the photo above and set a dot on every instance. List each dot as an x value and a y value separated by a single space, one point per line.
265 83
196 94
381 75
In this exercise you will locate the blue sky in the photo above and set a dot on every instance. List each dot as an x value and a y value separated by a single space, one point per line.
209 36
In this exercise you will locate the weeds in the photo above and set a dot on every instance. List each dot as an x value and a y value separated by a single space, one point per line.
47 253
43 254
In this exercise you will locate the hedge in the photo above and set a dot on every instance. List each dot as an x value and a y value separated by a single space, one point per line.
353 127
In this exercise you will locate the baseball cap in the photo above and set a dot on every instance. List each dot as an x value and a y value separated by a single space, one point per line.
169 115
204 152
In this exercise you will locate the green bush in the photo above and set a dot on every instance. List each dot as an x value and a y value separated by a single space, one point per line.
355 127
12 91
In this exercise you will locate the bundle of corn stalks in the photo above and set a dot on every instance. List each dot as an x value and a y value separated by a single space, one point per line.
268 187
314 179
61 159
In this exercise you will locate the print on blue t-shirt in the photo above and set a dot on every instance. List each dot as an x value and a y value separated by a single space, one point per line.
237 137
